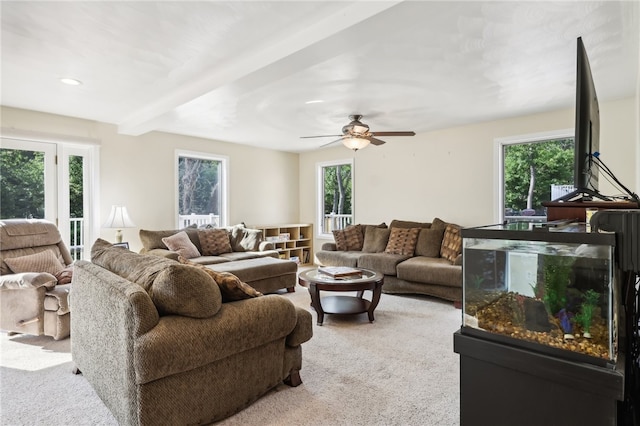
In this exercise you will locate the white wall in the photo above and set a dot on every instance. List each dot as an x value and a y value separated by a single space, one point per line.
138 172
447 173
450 173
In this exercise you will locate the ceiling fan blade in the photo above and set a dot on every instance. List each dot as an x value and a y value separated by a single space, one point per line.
375 141
322 136
330 143
394 133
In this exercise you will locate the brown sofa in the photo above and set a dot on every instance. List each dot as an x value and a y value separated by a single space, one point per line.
427 260
247 256
158 345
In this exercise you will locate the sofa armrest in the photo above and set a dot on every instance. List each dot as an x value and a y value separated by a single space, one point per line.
266 245
329 247
27 280
303 330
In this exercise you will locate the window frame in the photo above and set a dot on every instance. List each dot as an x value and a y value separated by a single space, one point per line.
224 186
320 192
499 145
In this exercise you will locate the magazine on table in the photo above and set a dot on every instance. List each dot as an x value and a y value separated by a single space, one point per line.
340 271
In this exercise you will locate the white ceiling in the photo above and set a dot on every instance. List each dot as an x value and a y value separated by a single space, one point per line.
242 71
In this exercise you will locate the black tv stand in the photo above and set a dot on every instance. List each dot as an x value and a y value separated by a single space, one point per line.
583 194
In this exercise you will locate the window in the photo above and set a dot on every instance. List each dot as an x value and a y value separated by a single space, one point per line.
534 169
201 189
335 196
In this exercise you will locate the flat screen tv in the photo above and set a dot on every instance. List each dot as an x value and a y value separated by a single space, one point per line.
587 133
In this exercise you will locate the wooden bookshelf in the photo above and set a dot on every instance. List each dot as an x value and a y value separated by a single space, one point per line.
292 241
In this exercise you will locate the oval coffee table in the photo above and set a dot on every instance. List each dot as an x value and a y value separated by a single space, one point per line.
317 281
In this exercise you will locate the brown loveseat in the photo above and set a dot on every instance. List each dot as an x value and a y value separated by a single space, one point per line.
415 257
157 344
235 249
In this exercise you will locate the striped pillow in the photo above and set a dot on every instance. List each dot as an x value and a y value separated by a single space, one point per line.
349 238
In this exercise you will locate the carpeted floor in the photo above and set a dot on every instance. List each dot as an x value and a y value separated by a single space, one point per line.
399 370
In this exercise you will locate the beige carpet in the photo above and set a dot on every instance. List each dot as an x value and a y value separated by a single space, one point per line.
399 370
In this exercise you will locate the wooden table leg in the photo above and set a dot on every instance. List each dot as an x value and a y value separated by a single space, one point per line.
377 291
315 302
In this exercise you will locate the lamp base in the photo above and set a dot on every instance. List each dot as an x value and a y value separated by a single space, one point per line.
119 236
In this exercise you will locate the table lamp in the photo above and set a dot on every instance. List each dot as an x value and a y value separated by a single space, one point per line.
119 218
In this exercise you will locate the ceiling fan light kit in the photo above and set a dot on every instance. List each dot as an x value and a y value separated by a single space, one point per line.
355 143
356 135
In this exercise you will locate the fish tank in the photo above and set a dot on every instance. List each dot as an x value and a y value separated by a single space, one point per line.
549 289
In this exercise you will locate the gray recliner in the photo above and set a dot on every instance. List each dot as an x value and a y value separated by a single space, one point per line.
34 262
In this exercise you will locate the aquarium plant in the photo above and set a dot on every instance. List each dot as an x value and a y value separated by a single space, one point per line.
585 316
565 323
557 270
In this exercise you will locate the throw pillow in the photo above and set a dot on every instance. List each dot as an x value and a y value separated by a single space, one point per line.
375 240
402 241
214 241
231 287
349 238
181 244
451 242
153 239
251 239
183 290
429 242
44 261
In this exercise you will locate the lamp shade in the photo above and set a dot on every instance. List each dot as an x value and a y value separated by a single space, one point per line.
118 218
355 143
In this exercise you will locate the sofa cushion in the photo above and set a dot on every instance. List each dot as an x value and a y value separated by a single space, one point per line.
451 242
179 291
430 270
381 262
214 241
181 244
429 241
375 240
338 258
231 287
366 228
349 238
402 241
43 261
153 239
409 224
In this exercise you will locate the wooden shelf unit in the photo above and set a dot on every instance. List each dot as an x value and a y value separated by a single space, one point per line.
299 244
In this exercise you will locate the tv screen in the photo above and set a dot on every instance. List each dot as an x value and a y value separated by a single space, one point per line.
587 132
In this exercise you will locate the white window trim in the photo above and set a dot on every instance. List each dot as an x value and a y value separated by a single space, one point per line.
320 189
498 155
224 188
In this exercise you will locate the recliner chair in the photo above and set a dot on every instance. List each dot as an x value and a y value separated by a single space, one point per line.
33 260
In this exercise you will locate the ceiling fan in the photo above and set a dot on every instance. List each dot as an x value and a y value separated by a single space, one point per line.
356 135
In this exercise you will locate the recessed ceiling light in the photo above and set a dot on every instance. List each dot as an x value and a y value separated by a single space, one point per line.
71 81
315 101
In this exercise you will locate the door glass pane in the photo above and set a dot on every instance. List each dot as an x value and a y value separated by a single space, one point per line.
22 184
199 191
76 206
337 197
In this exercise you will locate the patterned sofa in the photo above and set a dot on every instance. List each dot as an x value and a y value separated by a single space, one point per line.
415 257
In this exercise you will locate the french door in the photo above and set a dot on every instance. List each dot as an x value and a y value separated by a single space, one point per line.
51 181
